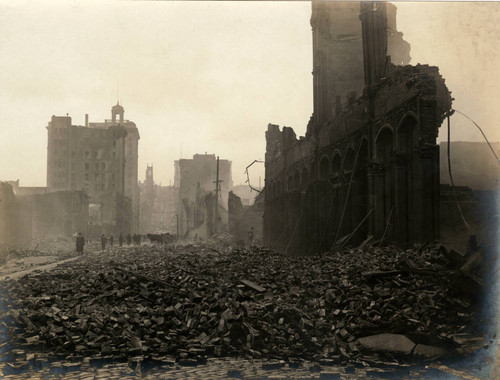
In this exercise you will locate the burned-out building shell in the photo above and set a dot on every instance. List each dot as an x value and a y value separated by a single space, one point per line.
368 164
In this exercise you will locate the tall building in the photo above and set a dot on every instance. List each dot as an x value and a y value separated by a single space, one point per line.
101 159
196 178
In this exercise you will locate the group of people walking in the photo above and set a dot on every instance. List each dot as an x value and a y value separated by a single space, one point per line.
128 239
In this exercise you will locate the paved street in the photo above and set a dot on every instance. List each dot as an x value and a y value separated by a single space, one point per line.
26 362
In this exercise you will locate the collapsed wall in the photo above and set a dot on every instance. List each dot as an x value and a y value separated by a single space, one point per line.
369 164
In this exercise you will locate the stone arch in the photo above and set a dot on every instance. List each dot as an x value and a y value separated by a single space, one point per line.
324 166
349 160
360 197
336 163
384 145
405 138
312 172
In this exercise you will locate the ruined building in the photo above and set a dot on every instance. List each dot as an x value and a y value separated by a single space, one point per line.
197 203
369 163
158 212
100 159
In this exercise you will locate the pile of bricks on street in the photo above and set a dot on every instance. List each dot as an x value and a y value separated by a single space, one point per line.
196 301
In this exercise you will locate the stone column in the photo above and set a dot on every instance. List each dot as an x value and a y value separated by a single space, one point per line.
401 212
371 200
415 186
378 196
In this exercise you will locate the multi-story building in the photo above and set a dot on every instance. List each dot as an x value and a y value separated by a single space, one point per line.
101 159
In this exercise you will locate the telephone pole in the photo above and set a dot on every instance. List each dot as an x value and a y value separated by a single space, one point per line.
217 190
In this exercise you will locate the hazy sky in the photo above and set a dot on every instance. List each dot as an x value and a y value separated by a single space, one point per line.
207 76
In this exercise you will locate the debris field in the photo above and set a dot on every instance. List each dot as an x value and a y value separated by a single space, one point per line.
190 302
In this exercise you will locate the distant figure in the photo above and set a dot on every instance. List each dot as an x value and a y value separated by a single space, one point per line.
80 243
138 239
195 237
129 239
250 236
103 242
120 239
111 240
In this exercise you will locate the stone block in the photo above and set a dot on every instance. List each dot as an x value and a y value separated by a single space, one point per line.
389 343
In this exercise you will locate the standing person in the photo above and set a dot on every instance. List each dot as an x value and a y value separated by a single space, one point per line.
103 242
120 239
111 240
250 236
129 239
80 243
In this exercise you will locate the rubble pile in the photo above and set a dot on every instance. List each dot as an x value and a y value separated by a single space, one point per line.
195 301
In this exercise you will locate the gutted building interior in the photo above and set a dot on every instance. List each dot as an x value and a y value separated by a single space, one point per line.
369 163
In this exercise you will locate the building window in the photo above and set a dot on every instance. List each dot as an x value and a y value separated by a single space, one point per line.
87 166
114 155
103 165
97 166
86 154
86 176
114 143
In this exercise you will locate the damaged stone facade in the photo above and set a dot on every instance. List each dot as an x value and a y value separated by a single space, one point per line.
368 164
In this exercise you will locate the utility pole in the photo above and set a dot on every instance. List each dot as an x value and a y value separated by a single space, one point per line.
217 189
177 217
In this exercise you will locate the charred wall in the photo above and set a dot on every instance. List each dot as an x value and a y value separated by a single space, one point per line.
244 218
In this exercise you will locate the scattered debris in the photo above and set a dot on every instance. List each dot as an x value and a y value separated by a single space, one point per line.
194 301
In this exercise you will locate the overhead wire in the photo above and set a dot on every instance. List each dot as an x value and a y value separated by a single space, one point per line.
480 130
451 179
348 191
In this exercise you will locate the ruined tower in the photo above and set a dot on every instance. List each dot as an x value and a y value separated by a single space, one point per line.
338 66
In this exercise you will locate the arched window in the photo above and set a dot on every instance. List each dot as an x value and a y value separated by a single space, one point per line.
323 168
349 160
336 163
384 144
405 135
